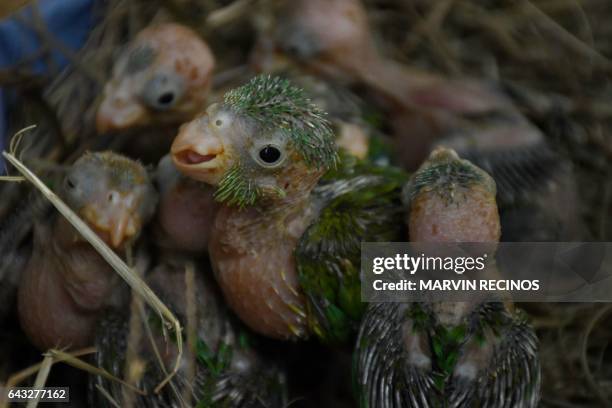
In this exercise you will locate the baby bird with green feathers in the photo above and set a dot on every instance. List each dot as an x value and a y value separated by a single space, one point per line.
285 245
476 353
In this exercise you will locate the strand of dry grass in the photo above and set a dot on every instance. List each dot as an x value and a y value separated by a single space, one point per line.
190 300
233 11
567 38
41 378
84 366
16 179
158 356
108 397
134 367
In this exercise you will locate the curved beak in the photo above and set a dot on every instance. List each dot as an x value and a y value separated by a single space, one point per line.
118 111
198 152
116 223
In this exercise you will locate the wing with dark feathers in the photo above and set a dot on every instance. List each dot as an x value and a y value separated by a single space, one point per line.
111 344
508 147
511 378
394 365
357 203
391 369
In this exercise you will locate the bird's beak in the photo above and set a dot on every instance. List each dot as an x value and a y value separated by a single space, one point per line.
198 152
118 112
117 222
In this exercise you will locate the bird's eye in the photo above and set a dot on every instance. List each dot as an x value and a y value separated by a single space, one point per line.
270 154
219 123
70 183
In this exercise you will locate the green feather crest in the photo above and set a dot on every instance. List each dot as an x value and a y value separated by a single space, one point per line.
277 104
440 176
444 170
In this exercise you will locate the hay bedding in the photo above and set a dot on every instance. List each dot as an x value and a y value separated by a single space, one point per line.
554 56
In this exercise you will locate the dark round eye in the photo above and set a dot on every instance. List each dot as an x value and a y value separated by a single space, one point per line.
218 122
269 154
70 183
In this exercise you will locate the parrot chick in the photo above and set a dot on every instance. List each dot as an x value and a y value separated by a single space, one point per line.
285 245
457 354
162 78
66 282
223 369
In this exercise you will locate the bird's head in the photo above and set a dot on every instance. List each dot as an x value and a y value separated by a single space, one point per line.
331 36
163 77
452 200
266 140
112 194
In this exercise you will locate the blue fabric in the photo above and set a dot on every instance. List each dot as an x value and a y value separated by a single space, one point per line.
69 21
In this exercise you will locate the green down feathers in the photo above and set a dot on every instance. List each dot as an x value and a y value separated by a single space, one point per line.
359 203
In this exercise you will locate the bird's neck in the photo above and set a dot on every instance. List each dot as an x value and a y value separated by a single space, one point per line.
87 277
252 253
270 220
275 211
297 183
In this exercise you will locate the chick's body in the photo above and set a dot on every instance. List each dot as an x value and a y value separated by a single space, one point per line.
66 283
70 285
479 352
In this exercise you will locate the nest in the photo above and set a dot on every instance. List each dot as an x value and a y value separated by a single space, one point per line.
553 56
